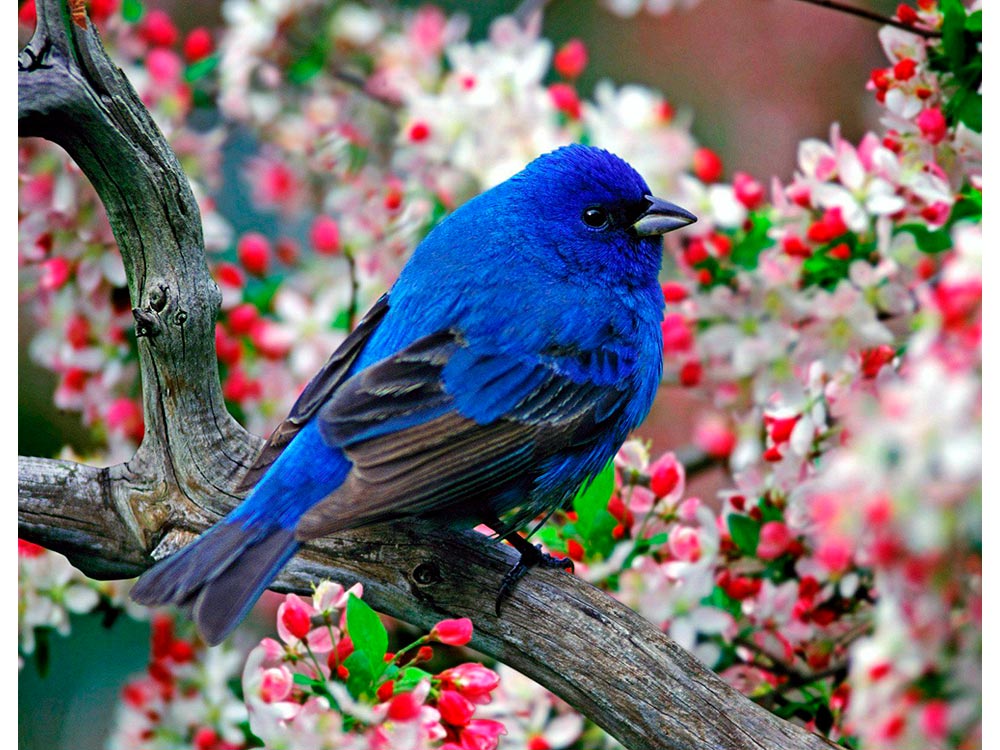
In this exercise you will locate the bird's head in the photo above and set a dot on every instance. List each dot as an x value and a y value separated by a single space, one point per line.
594 211
575 213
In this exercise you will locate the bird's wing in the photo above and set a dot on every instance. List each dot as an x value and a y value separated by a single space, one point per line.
316 392
436 425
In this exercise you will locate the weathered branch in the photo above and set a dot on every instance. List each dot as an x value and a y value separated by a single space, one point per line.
583 645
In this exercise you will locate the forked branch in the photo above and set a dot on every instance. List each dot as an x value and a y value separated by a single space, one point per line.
598 655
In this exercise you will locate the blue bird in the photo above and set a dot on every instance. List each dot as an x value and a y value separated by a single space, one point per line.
518 348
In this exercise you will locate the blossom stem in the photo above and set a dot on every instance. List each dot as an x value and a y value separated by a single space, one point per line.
419 642
873 16
352 306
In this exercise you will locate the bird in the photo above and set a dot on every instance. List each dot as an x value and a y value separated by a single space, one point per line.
519 346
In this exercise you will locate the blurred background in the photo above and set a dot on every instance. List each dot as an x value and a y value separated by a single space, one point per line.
756 76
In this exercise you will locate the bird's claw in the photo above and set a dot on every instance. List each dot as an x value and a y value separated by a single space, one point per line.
530 557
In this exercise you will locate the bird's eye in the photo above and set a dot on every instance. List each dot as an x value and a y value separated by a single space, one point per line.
595 217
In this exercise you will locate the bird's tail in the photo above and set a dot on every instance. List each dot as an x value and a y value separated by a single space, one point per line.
220 575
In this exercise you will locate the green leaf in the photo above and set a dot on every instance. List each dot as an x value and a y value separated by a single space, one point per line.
260 292
820 269
745 532
198 70
974 22
132 10
305 680
360 680
721 600
970 111
769 512
658 540
927 240
307 66
969 205
953 33
412 676
368 635
748 250
594 523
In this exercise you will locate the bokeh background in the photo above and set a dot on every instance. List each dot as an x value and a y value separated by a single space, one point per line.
755 76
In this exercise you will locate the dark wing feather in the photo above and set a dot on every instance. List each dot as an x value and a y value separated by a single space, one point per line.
316 392
414 452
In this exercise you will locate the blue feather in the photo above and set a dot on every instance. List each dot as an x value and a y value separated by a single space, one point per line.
516 351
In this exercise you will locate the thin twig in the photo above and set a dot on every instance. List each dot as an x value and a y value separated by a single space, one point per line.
873 16
527 8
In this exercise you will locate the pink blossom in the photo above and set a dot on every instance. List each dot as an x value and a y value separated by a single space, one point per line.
275 684
774 540
482 734
685 543
834 554
934 720
688 509
164 66
474 681
677 336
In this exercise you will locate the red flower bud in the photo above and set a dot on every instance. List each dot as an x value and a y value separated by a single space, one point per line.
932 124
157 29
674 291
873 360
419 131
325 235
565 99
254 252
904 69
205 739
840 251
385 690
455 709
571 59
707 165
795 247
748 191
403 707
243 318
906 14
296 620
453 632
664 475
198 44
690 373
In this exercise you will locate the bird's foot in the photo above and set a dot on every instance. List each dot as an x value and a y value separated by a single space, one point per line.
531 556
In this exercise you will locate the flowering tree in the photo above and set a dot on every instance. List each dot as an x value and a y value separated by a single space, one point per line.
831 327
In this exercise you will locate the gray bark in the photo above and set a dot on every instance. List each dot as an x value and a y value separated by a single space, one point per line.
601 657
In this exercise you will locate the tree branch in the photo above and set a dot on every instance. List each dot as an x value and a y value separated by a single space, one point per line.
873 16
600 656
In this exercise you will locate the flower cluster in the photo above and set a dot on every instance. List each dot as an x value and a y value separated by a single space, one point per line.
49 590
834 334
330 682
184 698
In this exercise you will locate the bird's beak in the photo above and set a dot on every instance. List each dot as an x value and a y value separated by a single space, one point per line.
661 217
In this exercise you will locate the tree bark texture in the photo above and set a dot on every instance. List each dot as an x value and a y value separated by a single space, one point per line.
600 656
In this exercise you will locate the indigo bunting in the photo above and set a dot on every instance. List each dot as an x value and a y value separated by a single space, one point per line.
518 348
